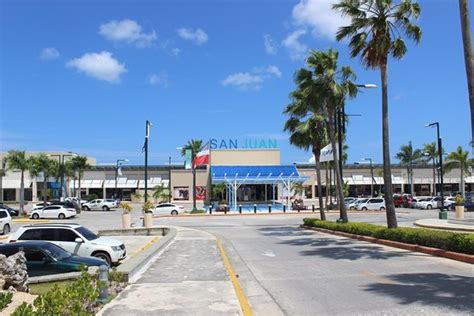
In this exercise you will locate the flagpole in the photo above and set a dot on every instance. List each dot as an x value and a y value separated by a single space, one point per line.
147 136
209 191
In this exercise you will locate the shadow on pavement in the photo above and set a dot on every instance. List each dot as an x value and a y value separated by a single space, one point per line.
284 231
443 290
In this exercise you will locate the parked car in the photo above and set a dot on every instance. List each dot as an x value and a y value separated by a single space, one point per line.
402 200
372 204
11 211
74 238
167 209
43 258
54 211
429 203
414 202
114 202
99 204
39 206
75 199
349 200
449 202
353 205
5 221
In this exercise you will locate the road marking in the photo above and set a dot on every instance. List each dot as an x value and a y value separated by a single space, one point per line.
147 245
27 220
269 253
244 304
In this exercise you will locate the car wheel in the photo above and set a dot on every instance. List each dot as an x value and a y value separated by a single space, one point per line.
105 208
35 216
6 229
86 208
429 207
174 212
382 209
103 255
61 216
364 208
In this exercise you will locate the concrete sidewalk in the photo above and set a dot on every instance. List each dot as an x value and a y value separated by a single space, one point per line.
188 278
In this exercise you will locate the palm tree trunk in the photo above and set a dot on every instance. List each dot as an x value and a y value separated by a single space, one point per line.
463 189
317 154
45 188
466 39
22 192
434 178
79 186
339 191
412 186
387 172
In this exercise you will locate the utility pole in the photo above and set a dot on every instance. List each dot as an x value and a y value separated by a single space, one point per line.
169 180
145 148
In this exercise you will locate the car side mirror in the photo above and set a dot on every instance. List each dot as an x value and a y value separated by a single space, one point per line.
79 240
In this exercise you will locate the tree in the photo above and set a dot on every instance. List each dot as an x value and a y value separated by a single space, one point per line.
431 153
467 43
195 146
219 189
332 85
79 165
160 192
459 159
408 157
375 33
307 126
17 160
42 163
69 172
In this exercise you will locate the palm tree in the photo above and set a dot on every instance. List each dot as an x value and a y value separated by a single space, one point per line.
375 33
79 165
195 146
431 153
69 172
307 128
408 156
467 43
219 189
160 192
459 159
42 163
17 160
332 85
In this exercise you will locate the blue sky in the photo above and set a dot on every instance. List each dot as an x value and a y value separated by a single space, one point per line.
85 75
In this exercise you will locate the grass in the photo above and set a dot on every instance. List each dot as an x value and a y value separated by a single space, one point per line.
41 288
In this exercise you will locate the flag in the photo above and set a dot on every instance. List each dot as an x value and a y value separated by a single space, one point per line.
202 157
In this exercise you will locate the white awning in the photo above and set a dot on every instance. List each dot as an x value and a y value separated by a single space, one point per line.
122 183
15 183
87 184
153 182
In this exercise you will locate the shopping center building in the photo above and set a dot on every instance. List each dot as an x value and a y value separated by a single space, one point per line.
250 175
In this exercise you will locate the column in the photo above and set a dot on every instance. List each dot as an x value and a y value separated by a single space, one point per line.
34 194
104 192
313 191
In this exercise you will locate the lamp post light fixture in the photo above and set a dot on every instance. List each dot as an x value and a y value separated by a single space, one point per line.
442 213
117 166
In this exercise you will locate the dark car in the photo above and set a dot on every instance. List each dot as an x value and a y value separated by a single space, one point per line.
10 210
44 258
68 204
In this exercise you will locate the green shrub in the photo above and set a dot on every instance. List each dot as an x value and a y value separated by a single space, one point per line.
5 299
457 242
24 310
198 212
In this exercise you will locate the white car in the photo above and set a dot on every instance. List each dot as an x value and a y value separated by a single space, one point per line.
429 203
353 205
39 206
74 238
167 209
449 201
54 211
372 204
5 221
99 204
75 199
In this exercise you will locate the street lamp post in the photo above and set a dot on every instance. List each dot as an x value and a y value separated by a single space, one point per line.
117 166
371 175
169 180
442 213
145 149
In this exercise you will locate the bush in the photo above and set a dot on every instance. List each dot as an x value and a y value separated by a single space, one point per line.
5 299
450 241
198 212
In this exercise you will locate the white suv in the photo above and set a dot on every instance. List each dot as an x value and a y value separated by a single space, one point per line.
74 238
372 204
429 203
99 204
5 221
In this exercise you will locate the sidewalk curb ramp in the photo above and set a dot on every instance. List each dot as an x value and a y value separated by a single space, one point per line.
396 244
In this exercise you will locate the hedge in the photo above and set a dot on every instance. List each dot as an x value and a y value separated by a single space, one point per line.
457 242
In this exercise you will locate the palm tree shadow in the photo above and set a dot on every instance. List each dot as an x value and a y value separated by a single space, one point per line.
438 289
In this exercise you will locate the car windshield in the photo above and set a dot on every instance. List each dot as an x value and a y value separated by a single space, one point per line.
362 201
56 252
87 234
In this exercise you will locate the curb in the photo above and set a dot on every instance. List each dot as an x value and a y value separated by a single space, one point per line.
458 229
396 244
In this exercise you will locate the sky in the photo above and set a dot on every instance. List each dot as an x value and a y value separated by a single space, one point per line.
84 76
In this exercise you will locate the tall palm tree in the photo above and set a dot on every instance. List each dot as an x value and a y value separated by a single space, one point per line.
42 163
408 156
459 159
69 173
307 128
17 160
431 153
79 165
332 85
468 58
195 146
375 33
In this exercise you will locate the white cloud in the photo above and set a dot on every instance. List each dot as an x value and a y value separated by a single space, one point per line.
252 80
296 49
160 79
49 53
319 15
101 66
270 46
175 51
198 36
127 31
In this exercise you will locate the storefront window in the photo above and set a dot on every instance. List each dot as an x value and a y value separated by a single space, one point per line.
181 193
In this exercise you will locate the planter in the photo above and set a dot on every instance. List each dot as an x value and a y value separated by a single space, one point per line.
148 219
126 220
459 211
